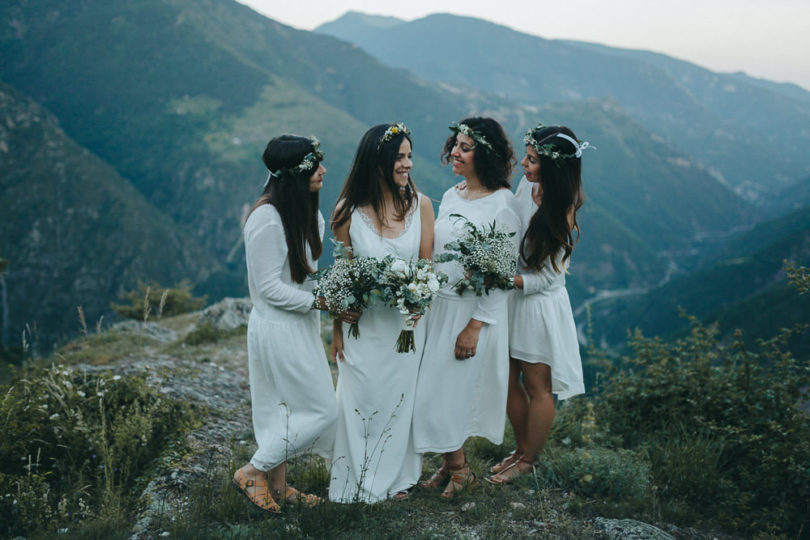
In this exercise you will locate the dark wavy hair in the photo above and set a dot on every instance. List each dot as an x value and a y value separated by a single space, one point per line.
493 167
549 230
296 204
373 167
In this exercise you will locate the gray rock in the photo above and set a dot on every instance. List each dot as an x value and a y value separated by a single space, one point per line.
227 314
621 529
151 330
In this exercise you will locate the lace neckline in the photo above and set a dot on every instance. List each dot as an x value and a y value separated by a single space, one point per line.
366 219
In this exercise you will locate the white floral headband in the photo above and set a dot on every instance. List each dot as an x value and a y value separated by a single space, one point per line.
476 136
392 132
548 148
306 164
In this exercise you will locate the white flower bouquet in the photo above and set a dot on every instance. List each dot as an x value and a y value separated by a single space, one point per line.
410 287
349 284
488 256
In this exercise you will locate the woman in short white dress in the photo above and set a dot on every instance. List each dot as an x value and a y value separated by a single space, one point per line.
379 213
543 346
292 397
463 377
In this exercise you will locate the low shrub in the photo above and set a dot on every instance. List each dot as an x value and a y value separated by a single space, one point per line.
74 444
152 299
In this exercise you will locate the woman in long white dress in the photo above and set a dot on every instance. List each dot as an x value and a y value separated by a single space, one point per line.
292 396
543 346
463 377
379 213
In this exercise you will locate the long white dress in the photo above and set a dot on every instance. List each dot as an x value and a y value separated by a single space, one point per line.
291 391
457 399
541 323
374 456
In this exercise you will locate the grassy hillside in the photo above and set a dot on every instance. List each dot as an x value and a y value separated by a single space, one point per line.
744 286
73 230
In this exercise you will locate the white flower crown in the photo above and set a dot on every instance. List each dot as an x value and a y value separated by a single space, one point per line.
548 149
392 132
306 164
476 136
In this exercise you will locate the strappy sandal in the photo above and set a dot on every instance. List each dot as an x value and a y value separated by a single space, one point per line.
401 496
513 471
293 496
438 479
256 491
506 462
461 478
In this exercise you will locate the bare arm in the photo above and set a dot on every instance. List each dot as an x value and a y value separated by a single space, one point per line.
426 216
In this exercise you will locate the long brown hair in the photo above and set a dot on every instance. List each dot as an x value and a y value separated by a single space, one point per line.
296 204
549 229
374 166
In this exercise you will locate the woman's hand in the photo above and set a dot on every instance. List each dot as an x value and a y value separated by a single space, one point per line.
336 350
467 340
350 316
518 281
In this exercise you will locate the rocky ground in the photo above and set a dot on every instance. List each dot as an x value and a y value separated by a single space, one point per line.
211 371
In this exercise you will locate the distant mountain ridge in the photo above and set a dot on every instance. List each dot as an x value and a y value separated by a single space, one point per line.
751 133
179 98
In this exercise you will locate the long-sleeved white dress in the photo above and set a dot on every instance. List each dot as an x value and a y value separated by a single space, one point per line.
292 396
374 457
541 323
457 399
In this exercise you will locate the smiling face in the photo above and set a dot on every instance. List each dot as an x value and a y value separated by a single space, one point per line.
316 180
531 165
403 164
463 155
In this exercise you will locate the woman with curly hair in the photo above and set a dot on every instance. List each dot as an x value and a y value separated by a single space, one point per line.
463 376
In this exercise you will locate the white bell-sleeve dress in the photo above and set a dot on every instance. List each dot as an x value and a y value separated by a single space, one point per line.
374 457
458 399
541 322
291 391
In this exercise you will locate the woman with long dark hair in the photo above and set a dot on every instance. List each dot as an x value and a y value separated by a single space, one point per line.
463 376
379 212
543 346
292 397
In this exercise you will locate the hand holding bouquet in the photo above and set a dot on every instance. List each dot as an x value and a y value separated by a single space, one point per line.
488 256
410 287
350 284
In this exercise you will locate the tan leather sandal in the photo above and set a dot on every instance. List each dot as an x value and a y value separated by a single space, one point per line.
513 471
505 462
256 491
437 480
461 478
293 496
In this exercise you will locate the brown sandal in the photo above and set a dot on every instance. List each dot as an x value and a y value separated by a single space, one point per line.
513 471
461 478
293 496
256 491
506 462
437 480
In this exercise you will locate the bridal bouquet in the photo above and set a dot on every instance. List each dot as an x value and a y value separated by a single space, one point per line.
409 286
488 256
349 284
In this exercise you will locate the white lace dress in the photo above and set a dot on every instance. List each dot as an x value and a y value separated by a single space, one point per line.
458 399
291 391
541 323
374 456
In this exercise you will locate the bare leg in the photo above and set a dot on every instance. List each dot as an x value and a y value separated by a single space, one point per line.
537 380
517 406
455 459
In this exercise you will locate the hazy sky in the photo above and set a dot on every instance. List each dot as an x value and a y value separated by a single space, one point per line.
765 39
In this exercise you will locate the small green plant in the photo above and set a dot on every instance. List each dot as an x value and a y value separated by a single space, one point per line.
140 302
74 444
725 429
798 276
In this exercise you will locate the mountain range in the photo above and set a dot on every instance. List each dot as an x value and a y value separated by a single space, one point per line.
171 102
